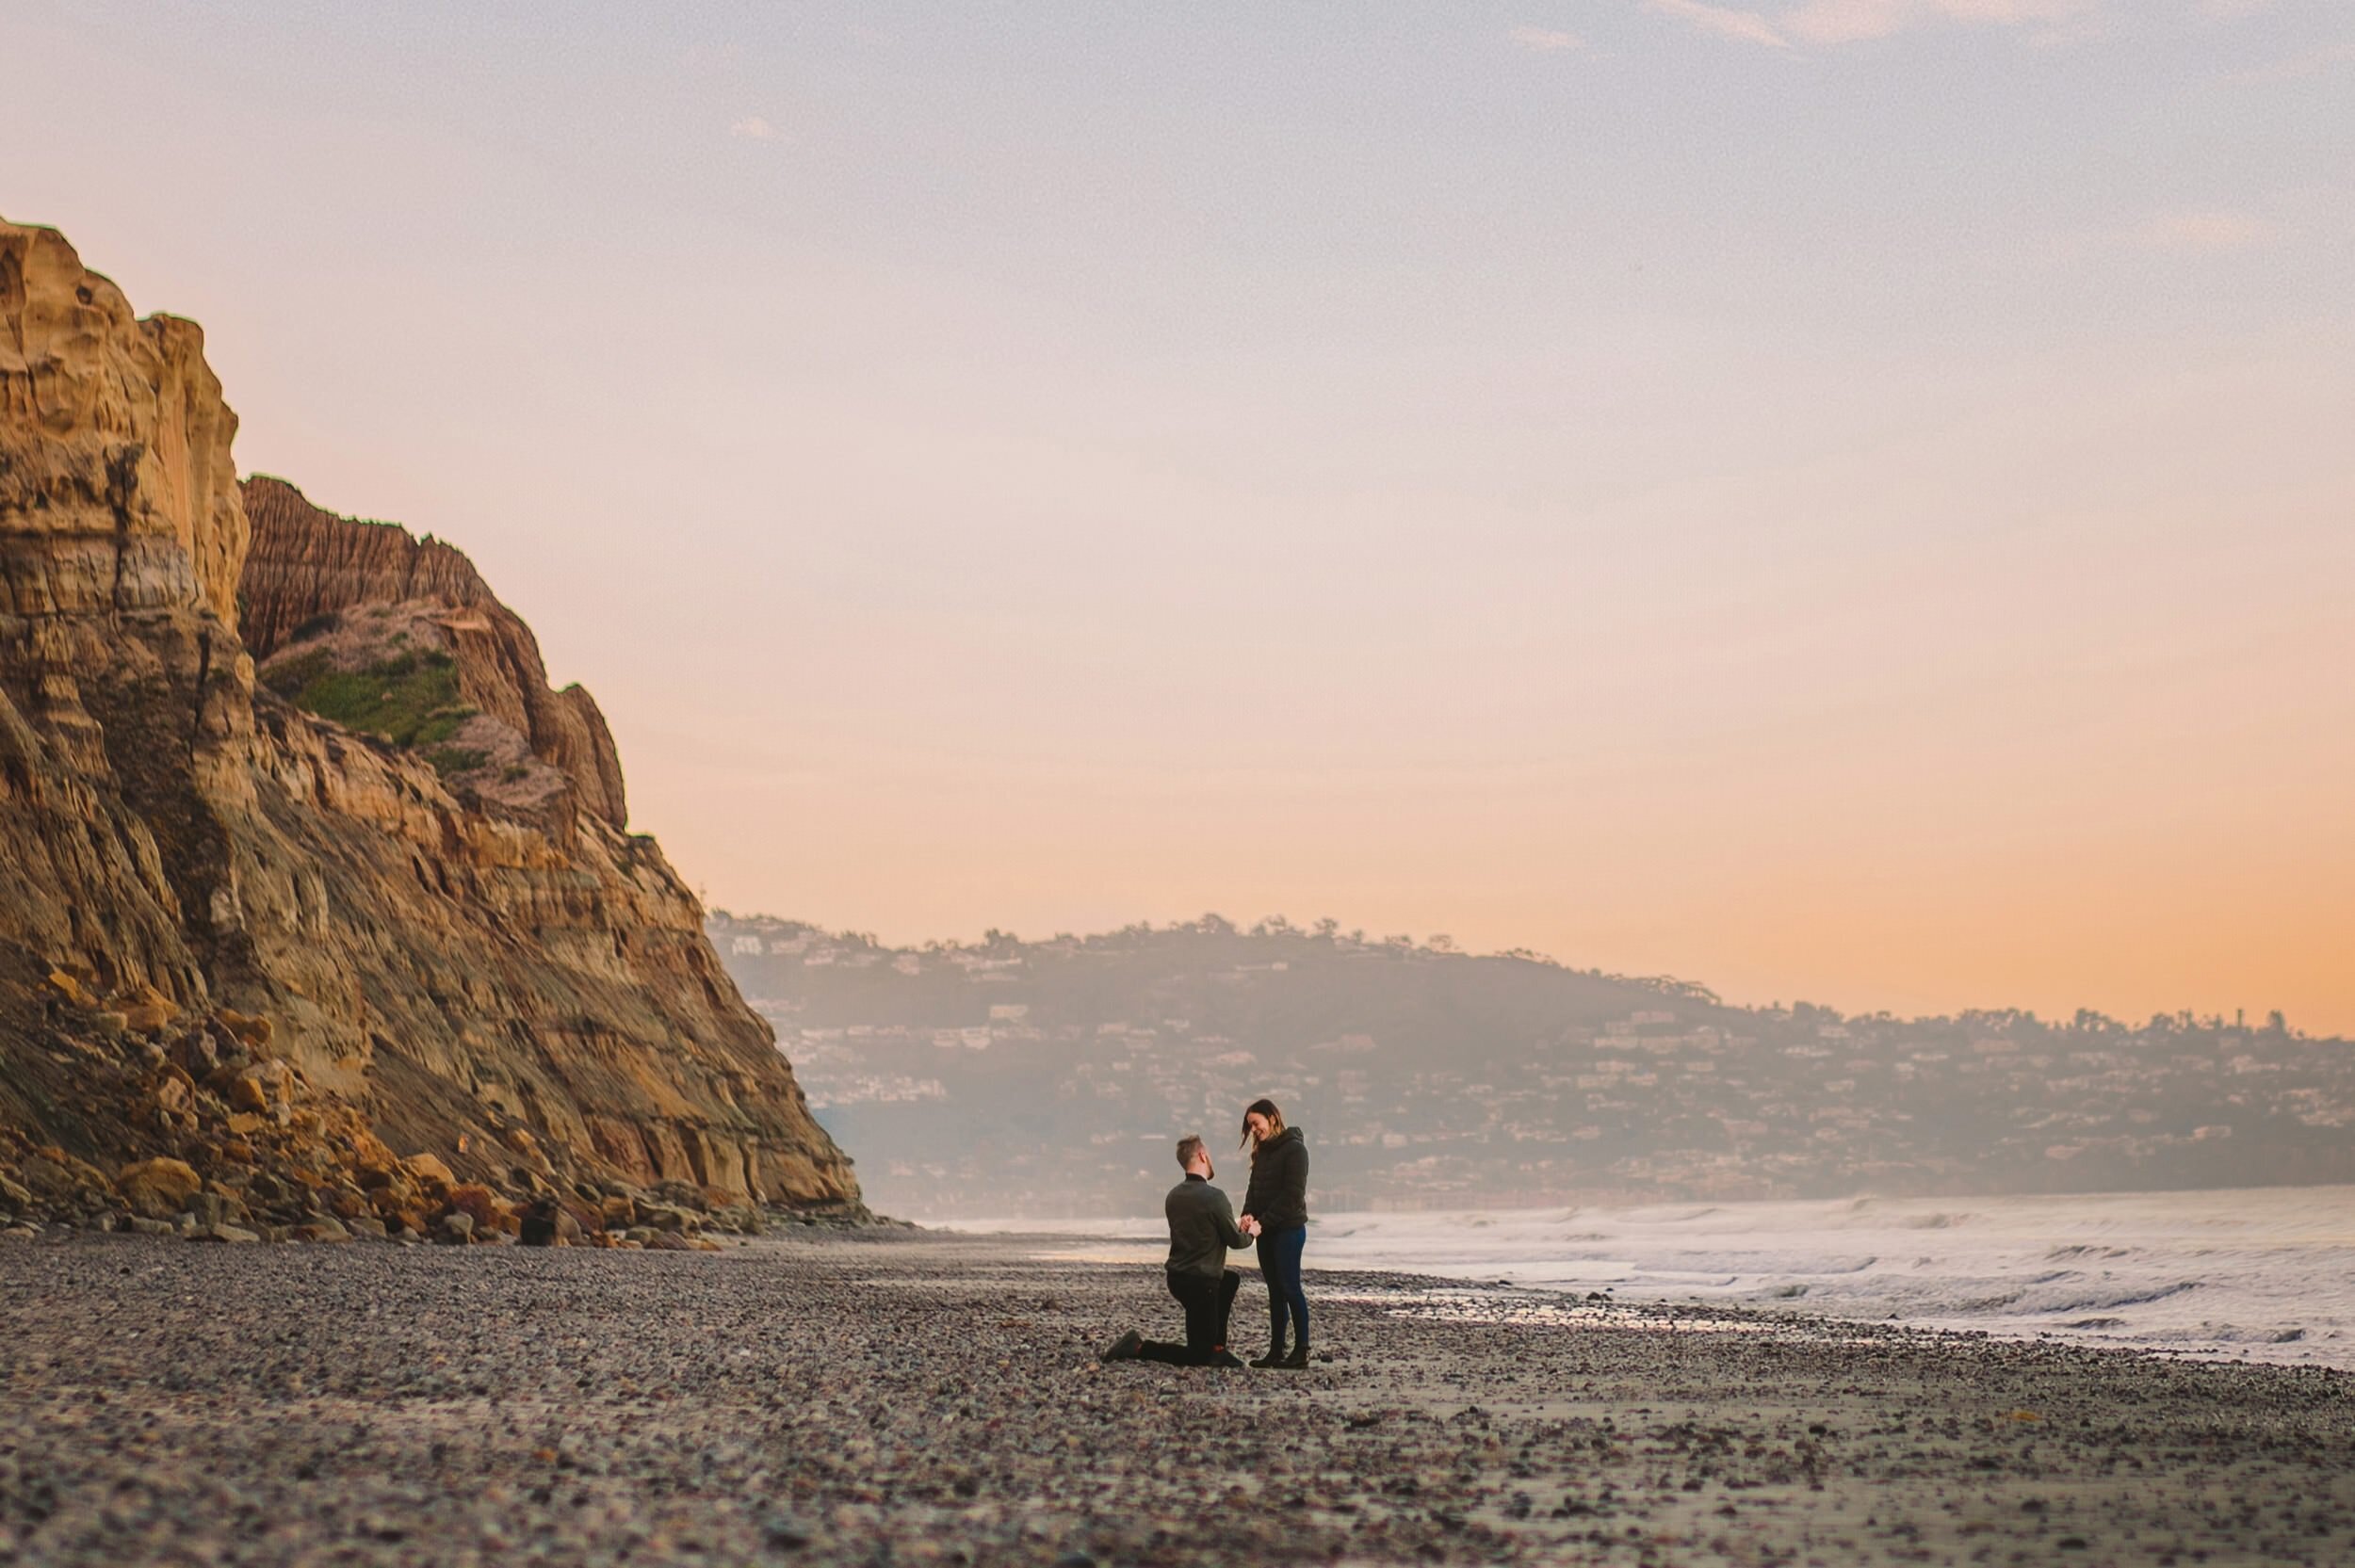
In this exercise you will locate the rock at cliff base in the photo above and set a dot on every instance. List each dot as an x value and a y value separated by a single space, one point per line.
158 1188
430 1172
548 1224
252 1032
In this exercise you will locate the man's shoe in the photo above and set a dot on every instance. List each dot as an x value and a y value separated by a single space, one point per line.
1297 1361
1274 1357
1125 1348
1225 1358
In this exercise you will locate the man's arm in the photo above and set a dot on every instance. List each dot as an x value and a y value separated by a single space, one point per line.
1228 1230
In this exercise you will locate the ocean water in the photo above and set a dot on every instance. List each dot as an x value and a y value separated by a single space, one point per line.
2261 1274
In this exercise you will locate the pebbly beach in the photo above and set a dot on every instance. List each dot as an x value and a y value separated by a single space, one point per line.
905 1398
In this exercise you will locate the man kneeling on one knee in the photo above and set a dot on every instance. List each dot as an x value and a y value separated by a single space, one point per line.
1201 1229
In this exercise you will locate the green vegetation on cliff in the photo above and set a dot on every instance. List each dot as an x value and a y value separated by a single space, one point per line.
410 700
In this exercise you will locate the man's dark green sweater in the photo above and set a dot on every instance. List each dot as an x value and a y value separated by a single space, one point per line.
1201 1228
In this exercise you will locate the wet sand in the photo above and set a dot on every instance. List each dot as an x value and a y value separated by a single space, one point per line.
910 1398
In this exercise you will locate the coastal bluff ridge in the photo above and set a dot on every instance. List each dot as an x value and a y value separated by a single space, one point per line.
320 916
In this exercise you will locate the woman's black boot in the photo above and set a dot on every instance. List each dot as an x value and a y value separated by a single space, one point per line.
1298 1360
1274 1357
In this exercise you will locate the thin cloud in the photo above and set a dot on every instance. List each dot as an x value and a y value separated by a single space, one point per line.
2212 229
1545 39
2010 13
1716 20
1831 22
1847 20
753 128
2298 68
2182 232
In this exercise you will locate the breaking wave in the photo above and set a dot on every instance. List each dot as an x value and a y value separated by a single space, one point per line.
2267 1274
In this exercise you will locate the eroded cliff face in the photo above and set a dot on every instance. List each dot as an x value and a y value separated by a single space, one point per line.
116 483
204 885
307 567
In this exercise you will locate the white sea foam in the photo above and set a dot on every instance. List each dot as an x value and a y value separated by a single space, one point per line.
2265 1274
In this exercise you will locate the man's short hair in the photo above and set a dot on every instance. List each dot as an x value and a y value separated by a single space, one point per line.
1188 1147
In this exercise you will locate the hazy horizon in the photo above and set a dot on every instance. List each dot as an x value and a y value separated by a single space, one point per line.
2255 1017
1845 500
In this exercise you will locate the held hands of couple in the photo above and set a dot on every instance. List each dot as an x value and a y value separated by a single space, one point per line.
1249 1226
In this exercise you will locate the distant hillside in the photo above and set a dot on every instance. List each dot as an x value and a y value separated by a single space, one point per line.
1049 1079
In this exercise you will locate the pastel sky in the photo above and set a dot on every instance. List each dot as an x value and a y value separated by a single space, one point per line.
1844 499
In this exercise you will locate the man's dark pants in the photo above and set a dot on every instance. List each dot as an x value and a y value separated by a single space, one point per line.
1209 1299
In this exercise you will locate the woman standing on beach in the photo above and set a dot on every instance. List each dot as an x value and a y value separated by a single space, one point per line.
1276 1209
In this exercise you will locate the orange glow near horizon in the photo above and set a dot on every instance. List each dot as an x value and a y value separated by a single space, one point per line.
1826 906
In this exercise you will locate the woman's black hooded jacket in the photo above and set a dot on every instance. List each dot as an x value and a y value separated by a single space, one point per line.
1278 1193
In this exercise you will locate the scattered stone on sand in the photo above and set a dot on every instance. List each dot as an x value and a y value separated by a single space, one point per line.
900 1399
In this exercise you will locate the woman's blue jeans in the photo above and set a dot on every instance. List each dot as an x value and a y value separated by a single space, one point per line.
1279 1266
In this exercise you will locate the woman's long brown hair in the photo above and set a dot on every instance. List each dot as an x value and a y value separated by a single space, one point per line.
1274 1124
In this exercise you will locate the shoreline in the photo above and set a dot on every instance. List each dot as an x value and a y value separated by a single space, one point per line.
921 1397
2206 1277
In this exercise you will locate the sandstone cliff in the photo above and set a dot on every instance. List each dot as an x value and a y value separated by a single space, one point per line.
306 567
284 953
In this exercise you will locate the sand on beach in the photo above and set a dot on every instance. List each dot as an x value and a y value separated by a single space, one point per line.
924 1399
